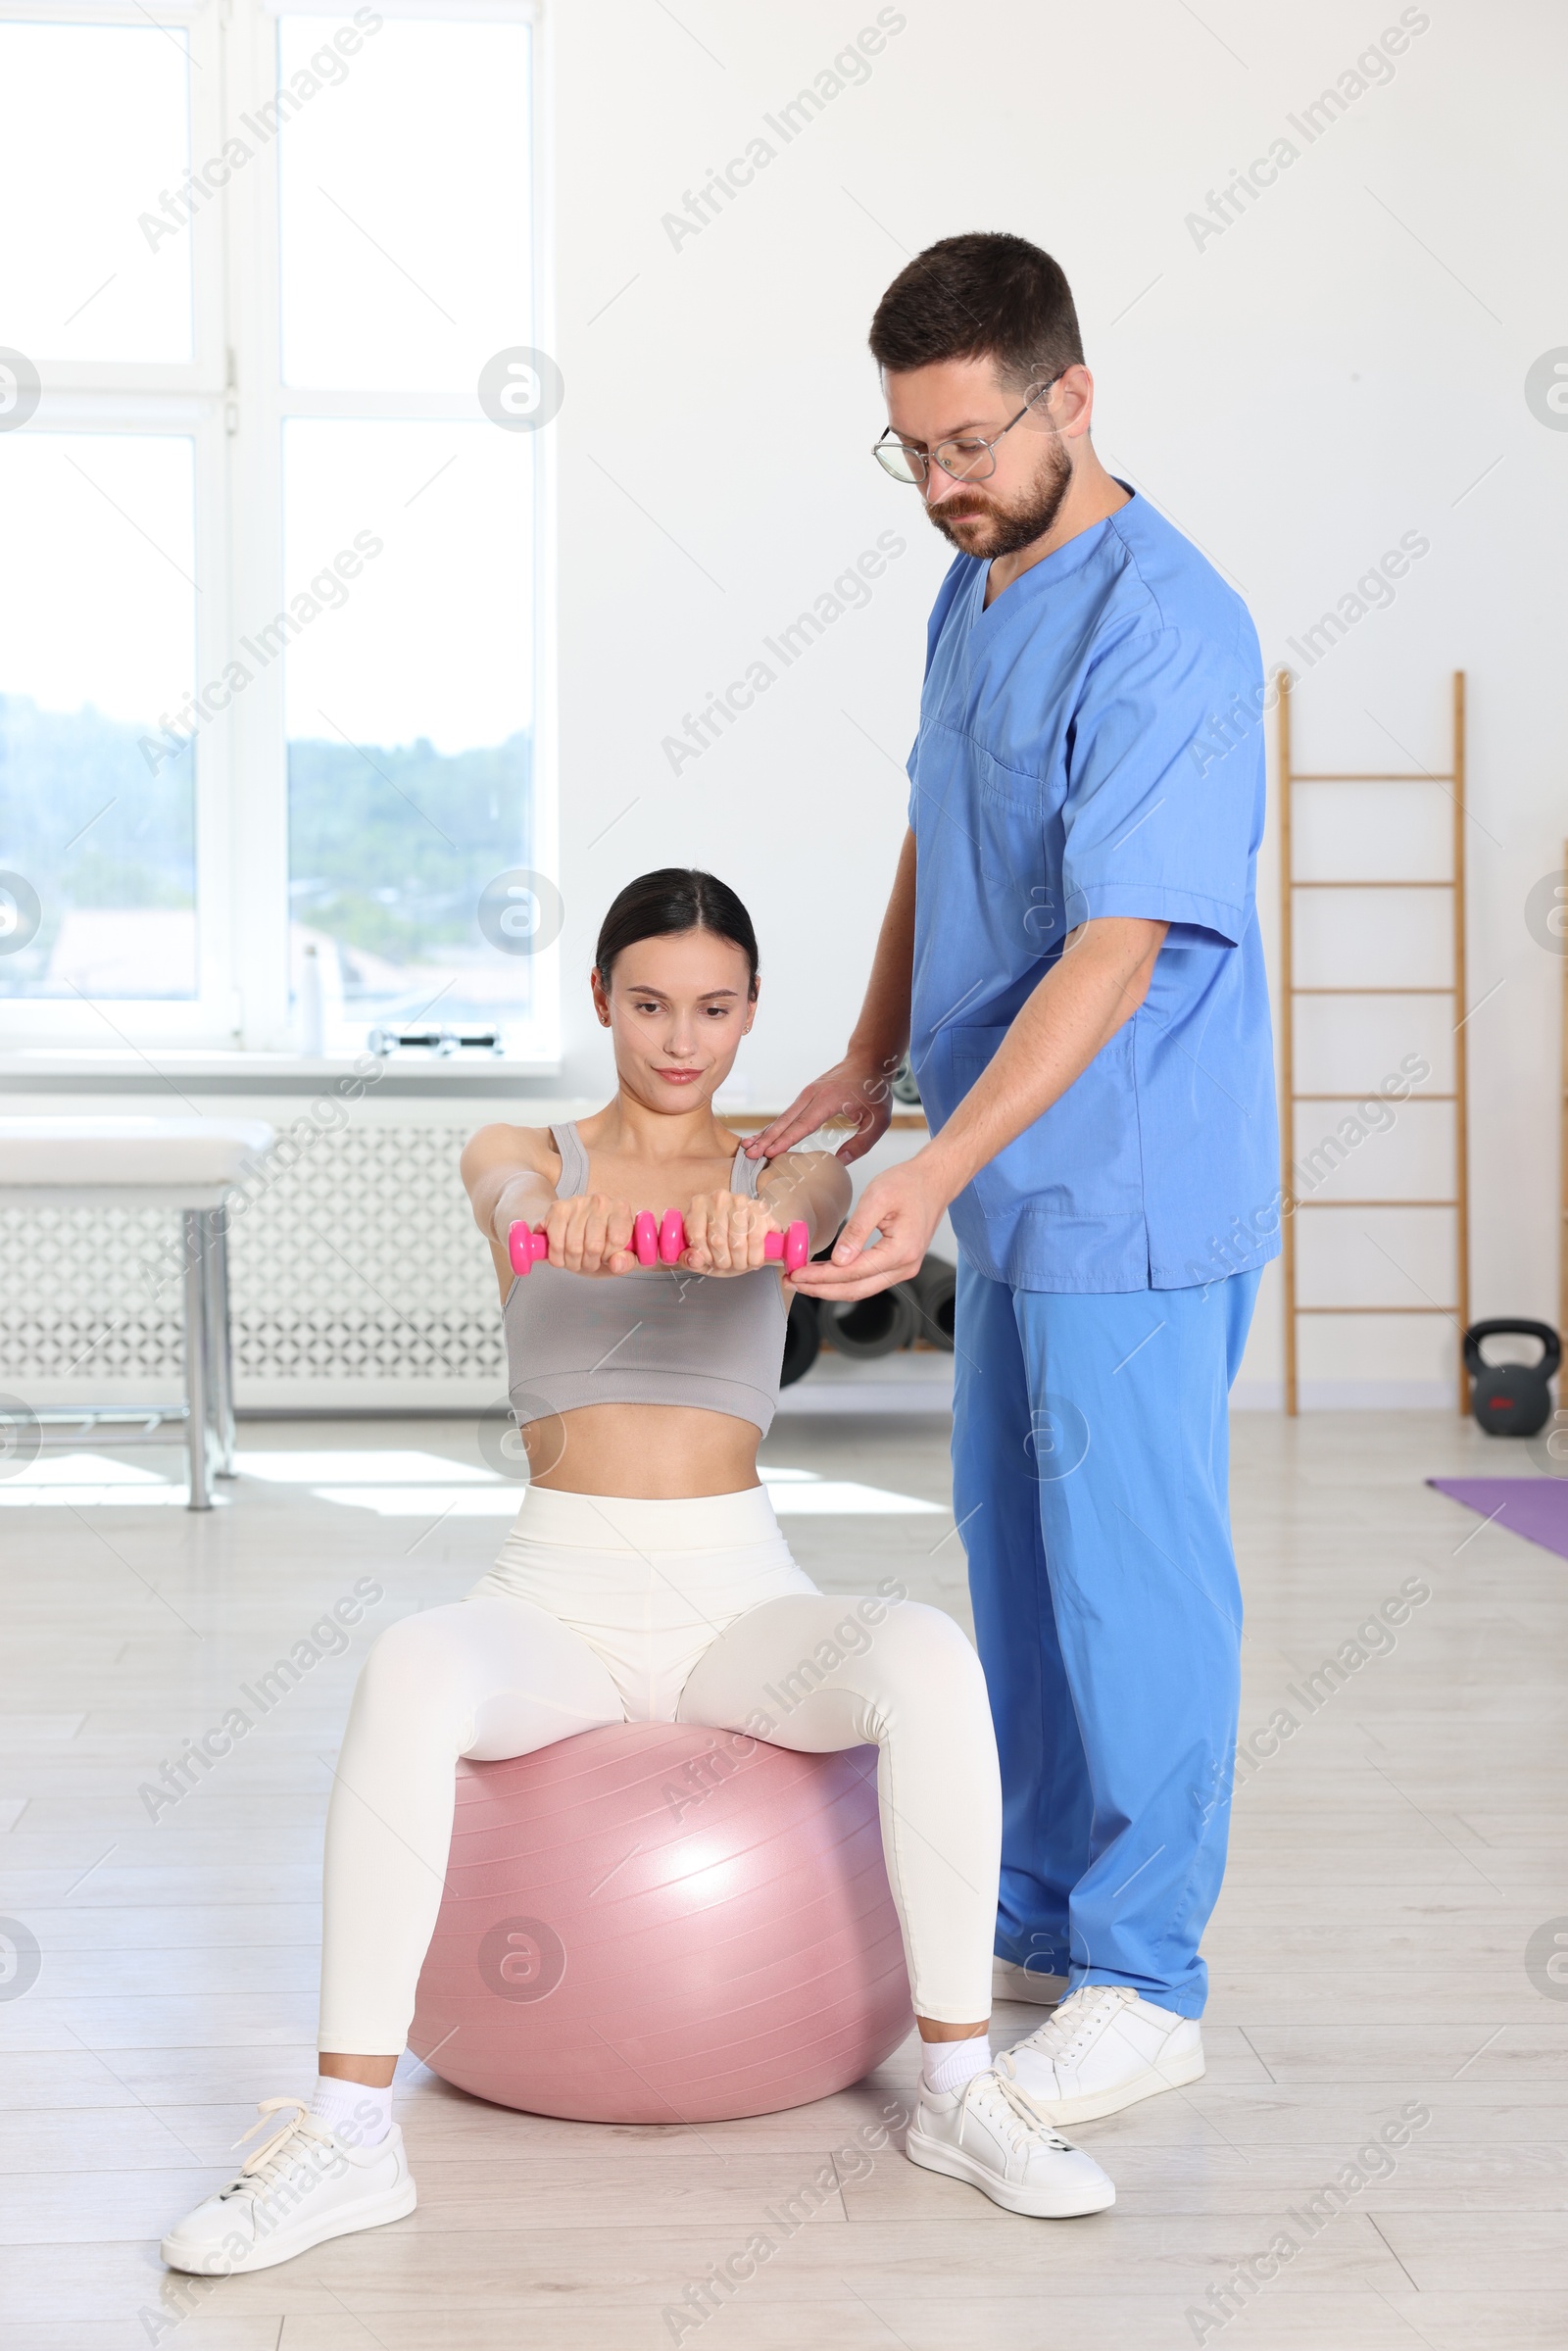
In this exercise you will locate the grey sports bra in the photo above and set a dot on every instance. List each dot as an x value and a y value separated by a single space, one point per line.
657 1336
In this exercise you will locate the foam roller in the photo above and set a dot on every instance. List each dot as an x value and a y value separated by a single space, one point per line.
865 1328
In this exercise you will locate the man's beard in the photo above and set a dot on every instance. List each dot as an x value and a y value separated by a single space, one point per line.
1006 529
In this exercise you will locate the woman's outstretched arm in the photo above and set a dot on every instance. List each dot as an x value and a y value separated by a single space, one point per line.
509 1174
813 1185
504 1170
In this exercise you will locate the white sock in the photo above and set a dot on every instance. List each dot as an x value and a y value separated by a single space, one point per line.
950 2064
359 2115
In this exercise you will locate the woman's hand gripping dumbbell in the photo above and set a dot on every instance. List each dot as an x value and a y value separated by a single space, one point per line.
721 1232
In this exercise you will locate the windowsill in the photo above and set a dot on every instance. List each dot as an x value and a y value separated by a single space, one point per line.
59 1069
166 1069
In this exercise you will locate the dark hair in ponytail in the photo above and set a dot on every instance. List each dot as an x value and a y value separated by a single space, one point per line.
677 898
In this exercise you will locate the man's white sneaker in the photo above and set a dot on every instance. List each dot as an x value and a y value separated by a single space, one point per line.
1103 2049
987 2135
303 2185
1010 1983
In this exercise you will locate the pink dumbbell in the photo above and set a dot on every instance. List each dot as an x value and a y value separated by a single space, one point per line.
661 1243
794 1246
525 1248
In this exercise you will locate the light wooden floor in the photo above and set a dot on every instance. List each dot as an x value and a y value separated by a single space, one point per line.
1388 1866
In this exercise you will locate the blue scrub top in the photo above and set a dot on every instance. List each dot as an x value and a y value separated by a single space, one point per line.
1092 744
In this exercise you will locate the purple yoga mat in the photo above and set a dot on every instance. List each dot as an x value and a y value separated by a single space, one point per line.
1535 1507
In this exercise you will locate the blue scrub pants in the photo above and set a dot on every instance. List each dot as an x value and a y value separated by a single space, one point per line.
1091 1465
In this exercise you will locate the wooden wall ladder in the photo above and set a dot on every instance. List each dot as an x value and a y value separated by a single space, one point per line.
1458 1310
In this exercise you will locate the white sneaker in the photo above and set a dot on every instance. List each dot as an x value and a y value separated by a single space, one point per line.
303 2185
1103 2049
987 2135
1010 1983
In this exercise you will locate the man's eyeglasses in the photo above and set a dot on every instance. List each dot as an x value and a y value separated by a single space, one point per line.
964 459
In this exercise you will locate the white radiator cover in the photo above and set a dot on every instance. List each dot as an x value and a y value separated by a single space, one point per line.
358 1276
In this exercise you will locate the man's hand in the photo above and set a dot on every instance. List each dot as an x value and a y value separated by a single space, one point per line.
858 1089
905 1207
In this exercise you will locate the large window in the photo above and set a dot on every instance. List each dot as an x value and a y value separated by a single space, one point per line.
270 478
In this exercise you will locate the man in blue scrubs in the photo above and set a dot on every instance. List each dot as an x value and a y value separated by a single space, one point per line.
1071 953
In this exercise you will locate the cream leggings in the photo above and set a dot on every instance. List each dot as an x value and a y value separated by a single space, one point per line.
603 1611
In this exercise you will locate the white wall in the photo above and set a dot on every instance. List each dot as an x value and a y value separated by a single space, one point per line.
1334 370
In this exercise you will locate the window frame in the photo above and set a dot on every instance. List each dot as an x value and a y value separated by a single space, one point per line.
232 400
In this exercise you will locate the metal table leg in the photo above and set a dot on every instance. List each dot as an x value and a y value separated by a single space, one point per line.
221 1375
197 1379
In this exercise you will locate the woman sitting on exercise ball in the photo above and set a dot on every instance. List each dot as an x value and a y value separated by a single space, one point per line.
645 1580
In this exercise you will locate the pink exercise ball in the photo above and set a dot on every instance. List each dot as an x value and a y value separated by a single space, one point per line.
657 1924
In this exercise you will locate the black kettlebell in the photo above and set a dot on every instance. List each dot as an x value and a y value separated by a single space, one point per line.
1511 1400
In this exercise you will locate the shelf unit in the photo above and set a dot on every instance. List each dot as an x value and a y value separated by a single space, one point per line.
1454 781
